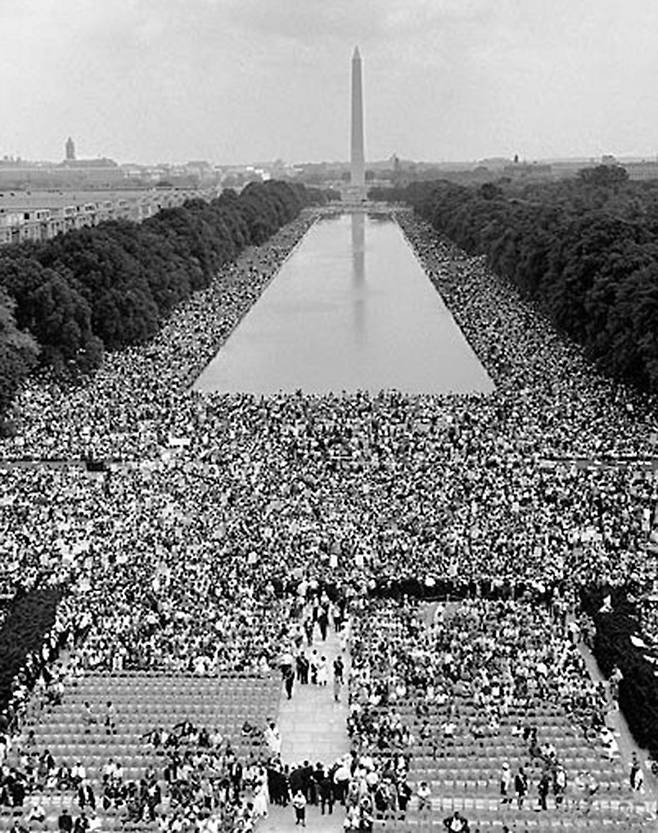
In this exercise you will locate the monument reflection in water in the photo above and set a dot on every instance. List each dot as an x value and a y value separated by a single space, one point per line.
351 309
358 221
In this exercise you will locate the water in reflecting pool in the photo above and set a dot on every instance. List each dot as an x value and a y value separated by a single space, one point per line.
350 309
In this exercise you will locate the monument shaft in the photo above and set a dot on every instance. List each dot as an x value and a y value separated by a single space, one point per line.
357 161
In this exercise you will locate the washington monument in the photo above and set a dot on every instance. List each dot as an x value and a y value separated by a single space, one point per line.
357 163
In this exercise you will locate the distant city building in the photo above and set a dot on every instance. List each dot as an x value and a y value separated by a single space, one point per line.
70 150
495 163
74 173
35 216
642 170
534 170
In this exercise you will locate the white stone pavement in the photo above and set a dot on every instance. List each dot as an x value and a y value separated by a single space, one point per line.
313 728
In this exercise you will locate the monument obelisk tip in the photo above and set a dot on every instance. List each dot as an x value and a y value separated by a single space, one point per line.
357 156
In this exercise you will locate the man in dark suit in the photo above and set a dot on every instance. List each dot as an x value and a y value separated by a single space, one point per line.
302 668
404 794
65 822
326 790
296 780
307 779
323 622
235 774
288 681
86 795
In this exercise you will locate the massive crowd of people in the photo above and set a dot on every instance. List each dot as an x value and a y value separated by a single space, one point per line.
187 555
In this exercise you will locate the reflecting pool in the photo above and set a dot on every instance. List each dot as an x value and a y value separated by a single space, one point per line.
351 308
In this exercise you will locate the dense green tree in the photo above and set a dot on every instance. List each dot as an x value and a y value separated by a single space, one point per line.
18 352
111 285
586 251
603 175
57 315
114 285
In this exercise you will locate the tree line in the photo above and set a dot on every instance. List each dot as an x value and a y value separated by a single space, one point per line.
30 617
65 301
584 250
616 626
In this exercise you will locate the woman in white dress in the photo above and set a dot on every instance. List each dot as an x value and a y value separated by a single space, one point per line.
261 797
273 738
323 674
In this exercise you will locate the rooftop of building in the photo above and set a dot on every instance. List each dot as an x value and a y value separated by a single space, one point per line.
100 162
12 200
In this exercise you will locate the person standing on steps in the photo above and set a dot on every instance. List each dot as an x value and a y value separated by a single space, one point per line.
404 795
308 630
342 776
314 667
273 738
543 788
89 717
296 779
285 663
339 669
636 775
307 779
326 791
337 687
323 622
337 616
506 783
299 803
613 687
110 719
302 668
559 785
520 787
288 681
322 671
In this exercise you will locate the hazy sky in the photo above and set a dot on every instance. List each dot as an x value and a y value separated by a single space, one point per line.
243 80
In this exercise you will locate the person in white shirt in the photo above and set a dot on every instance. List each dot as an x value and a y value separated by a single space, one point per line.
506 784
322 671
78 773
299 803
273 738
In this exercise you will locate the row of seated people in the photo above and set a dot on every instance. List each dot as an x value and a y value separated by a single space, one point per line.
412 679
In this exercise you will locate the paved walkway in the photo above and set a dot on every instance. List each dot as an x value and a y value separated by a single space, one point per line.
312 724
282 820
313 728
625 739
